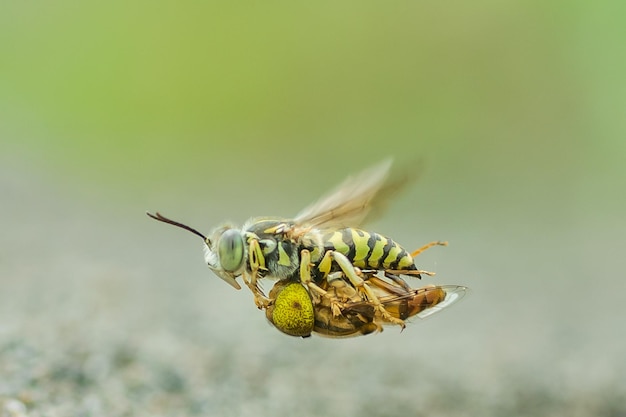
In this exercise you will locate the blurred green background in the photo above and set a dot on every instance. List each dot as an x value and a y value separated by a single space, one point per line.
513 113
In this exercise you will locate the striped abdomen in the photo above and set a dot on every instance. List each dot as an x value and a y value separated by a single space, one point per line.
368 250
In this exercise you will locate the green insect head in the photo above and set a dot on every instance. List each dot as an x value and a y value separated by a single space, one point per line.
224 251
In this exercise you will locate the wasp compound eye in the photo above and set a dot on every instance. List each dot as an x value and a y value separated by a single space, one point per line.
230 250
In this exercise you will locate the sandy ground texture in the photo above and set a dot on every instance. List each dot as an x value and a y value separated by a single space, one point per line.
106 313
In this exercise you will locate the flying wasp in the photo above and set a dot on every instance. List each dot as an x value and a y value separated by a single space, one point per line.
321 242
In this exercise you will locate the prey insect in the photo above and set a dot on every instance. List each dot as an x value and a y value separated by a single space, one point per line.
293 312
321 242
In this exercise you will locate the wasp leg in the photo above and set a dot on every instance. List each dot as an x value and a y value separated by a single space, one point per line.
315 290
411 272
427 246
305 275
260 300
398 280
256 261
352 273
393 273
367 274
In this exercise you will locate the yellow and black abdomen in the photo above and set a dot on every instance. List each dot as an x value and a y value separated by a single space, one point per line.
368 250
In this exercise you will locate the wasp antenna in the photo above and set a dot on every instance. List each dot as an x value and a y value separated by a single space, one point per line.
164 219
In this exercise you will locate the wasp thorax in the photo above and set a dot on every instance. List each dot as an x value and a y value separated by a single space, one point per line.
230 250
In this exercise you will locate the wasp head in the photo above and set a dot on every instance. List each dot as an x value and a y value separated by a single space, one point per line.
223 251
224 254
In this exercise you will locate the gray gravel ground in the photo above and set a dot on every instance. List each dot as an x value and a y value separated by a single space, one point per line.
105 313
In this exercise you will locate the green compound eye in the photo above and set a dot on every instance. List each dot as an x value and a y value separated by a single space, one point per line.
230 250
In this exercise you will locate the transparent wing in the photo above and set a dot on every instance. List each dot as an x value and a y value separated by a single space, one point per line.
454 293
420 300
356 200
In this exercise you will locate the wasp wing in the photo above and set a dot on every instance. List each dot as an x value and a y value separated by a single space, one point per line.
356 200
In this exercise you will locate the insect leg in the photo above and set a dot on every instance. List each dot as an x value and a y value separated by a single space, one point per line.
368 274
427 246
314 289
393 273
398 280
351 273
412 272
257 262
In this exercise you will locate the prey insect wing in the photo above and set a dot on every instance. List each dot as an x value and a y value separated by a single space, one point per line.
425 307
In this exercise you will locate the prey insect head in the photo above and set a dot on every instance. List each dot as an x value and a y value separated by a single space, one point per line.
223 251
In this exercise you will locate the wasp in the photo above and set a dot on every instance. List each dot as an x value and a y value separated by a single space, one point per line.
293 311
323 240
